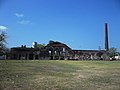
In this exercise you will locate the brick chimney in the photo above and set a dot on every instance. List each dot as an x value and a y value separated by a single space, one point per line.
106 38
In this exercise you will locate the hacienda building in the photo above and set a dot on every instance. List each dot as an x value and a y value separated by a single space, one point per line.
59 51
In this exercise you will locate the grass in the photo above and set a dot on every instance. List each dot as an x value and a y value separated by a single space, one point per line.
59 75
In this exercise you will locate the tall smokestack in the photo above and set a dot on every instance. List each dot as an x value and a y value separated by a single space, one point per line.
106 37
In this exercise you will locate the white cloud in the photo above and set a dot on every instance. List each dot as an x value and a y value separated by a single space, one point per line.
24 22
19 15
3 28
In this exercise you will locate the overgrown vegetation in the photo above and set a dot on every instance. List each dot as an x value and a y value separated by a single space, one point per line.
59 75
113 52
40 45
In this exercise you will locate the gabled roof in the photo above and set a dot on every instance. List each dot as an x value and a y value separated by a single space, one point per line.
58 44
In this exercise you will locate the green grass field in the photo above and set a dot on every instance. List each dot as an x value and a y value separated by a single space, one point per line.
59 75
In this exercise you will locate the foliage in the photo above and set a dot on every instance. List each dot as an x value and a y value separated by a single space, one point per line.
3 37
40 45
112 52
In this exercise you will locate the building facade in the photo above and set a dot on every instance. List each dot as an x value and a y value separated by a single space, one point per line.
55 51
58 51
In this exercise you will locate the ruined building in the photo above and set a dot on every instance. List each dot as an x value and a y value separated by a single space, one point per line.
58 51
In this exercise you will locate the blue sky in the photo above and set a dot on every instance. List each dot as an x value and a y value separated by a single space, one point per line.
77 23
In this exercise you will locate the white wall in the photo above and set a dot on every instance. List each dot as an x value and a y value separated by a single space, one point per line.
2 57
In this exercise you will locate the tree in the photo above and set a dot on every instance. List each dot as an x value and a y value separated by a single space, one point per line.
40 45
112 52
3 37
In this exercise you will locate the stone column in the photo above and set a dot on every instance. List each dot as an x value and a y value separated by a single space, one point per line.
34 56
27 56
18 56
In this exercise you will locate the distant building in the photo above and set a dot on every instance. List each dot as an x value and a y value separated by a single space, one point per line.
58 51
53 50
117 57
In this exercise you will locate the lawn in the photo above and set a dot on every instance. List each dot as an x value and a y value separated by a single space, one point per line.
59 75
